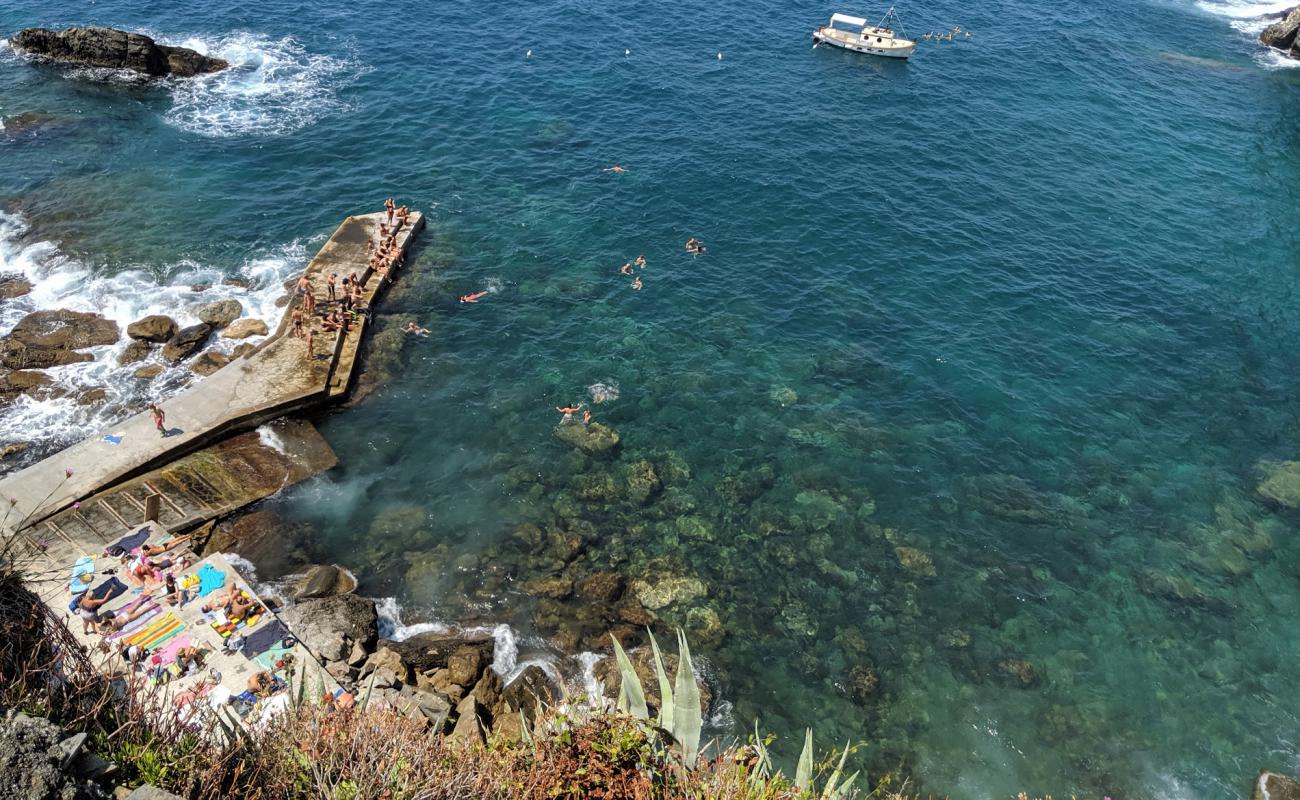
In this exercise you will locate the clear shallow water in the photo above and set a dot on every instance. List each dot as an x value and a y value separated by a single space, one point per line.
1031 295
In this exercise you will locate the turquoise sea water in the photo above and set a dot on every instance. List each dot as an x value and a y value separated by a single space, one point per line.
1025 304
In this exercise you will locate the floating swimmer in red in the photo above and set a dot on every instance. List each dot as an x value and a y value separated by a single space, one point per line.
472 298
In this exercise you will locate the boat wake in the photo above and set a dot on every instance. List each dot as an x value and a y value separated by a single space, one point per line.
273 87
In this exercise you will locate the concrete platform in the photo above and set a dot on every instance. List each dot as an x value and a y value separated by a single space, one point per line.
275 379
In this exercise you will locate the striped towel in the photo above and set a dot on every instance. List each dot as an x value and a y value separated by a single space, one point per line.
157 631
137 623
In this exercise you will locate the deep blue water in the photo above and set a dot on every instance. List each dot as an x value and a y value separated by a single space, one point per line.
1031 294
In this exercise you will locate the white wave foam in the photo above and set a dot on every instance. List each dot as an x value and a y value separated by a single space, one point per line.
591 685
1242 9
273 86
60 282
603 392
267 436
392 627
1271 59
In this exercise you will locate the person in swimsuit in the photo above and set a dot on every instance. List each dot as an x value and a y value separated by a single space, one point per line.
640 262
389 207
616 168
329 285
411 327
626 269
569 411
636 284
88 610
586 419
472 298
296 316
159 418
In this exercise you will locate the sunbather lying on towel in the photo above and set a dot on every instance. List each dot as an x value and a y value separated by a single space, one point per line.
115 621
235 602
150 550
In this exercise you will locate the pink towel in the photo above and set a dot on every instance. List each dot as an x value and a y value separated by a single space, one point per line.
168 654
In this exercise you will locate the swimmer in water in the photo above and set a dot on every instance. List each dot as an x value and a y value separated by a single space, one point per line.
472 298
640 262
636 284
926 36
694 246
615 168
586 419
626 269
569 411
411 327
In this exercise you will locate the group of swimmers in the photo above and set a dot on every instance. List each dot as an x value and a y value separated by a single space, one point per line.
940 36
569 411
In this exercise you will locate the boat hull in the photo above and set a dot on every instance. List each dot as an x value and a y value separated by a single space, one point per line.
900 51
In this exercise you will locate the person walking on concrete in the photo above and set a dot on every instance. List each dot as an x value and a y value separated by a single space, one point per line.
158 418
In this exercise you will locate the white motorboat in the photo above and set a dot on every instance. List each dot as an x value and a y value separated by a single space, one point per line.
877 40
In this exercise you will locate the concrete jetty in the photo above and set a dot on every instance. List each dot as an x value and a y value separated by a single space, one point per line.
71 513
274 379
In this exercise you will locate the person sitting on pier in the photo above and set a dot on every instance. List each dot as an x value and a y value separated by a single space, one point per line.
334 320
403 213
189 659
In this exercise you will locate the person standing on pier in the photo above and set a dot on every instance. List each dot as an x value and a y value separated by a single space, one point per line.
329 285
390 207
296 316
158 418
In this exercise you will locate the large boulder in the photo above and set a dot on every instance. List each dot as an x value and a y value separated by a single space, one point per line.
134 352
1275 786
274 544
426 652
666 589
324 580
1282 34
243 328
115 49
12 284
329 626
186 341
20 381
52 338
33 753
220 313
208 363
153 328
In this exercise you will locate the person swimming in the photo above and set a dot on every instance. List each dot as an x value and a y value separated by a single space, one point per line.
640 262
411 327
473 298
569 411
626 269
694 246
586 419
636 284
615 168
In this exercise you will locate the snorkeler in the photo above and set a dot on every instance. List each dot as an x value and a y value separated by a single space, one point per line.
473 298
615 168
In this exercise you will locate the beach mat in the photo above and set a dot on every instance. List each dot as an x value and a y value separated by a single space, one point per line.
157 632
129 542
109 589
137 623
264 638
84 566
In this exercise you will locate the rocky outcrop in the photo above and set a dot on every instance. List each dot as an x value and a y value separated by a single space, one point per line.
330 626
324 580
155 328
243 328
53 338
134 352
13 285
114 49
595 439
209 363
220 313
1282 34
186 342
37 761
276 545
1275 786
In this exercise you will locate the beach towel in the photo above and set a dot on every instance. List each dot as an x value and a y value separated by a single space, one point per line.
168 654
277 652
210 579
137 623
113 438
84 566
128 543
262 640
109 589
157 632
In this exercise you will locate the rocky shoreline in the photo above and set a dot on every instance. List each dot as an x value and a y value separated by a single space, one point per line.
114 49
1282 34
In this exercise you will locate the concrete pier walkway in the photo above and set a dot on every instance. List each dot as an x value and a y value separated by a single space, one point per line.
278 377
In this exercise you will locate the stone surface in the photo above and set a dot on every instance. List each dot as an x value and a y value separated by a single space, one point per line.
1282 34
134 352
324 580
426 652
388 667
13 285
422 703
662 591
243 328
601 588
596 439
21 381
469 727
915 561
263 537
186 341
115 49
220 313
52 338
149 792
148 372
1017 672
464 665
208 363
156 328
31 760
324 623
1275 786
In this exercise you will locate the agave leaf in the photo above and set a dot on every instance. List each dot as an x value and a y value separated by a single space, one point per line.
803 772
687 714
842 793
763 769
665 687
525 735
301 674
365 698
829 791
631 697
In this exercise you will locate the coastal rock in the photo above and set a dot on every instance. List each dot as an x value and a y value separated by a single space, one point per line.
1280 482
220 313
469 726
665 590
1282 34
52 338
209 363
1017 672
1179 591
704 626
114 49
148 372
531 687
387 666
243 328
595 439
915 561
862 683
1275 786
13 449
156 328
135 352
601 588
324 580
423 704
186 341
464 665
323 623
242 350
20 381
32 761
427 652
13 285
641 481
555 587
265 538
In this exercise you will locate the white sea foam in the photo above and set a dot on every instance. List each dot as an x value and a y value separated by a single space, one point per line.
1271 59
591 685
392 627
61 282
273 86
267 436
1242 9
604 392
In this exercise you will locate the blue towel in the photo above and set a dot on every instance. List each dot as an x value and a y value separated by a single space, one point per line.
109 589
210 579
84 566
111 439
128 543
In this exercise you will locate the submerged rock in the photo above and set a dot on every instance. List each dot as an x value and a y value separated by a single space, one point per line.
662 591
134 352
114 49
1017 672
13 285
1012 498
153 328
915 561
1280 482
148 372
209 363
52 338
595 439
